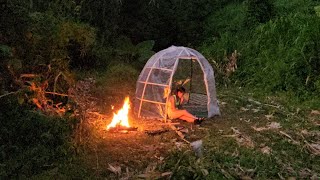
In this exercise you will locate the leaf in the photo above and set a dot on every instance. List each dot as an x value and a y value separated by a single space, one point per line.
145 45
274 125
20 100
204 172
266 150
259 129
144 50
145 55
315 112
4 50
115 169
317 10
244 109
166 174
124 46
269 116
223 103
255 110
186 81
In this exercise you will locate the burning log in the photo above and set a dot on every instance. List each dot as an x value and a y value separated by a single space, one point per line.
124 129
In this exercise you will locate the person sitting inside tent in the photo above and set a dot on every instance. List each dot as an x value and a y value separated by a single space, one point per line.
175 110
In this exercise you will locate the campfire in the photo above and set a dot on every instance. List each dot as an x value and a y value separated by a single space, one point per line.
120 121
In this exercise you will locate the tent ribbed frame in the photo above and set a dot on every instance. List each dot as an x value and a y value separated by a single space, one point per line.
183 53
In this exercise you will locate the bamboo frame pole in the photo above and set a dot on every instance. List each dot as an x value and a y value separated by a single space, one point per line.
143 82
170 84
155 102
144 88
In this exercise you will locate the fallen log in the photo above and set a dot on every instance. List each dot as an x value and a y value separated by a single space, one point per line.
122 129
156 132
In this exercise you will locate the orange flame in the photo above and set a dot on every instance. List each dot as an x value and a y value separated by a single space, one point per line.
121 118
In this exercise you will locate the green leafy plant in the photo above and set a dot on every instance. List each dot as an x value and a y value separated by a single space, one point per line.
259 11
317 10
283 55
128 52
185 165
4 50
276 55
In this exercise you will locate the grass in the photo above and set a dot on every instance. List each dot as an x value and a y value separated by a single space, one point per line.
286 158
232 149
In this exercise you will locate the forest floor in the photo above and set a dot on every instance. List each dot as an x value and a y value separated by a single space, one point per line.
252 139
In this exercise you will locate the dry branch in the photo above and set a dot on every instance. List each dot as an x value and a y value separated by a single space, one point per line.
179 133
313 148
156 132
241 139
272 125
59 94
288 136
98 114
8 94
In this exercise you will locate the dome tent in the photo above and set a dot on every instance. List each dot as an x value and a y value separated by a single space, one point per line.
163 71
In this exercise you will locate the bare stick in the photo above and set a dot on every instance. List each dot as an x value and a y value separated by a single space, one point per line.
179 133
288 136
97 159
98 114
8 94
58 94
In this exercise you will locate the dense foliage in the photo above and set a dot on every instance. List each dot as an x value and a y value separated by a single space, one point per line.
277 54
283 54
30 141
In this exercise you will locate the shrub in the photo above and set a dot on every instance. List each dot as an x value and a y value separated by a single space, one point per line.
283 55
224 36
225 20
279 55
30 141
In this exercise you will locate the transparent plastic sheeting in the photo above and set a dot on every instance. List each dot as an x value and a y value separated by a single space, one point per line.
157 75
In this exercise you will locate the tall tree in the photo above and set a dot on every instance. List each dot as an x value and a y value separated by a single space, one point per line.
102 14
167 22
